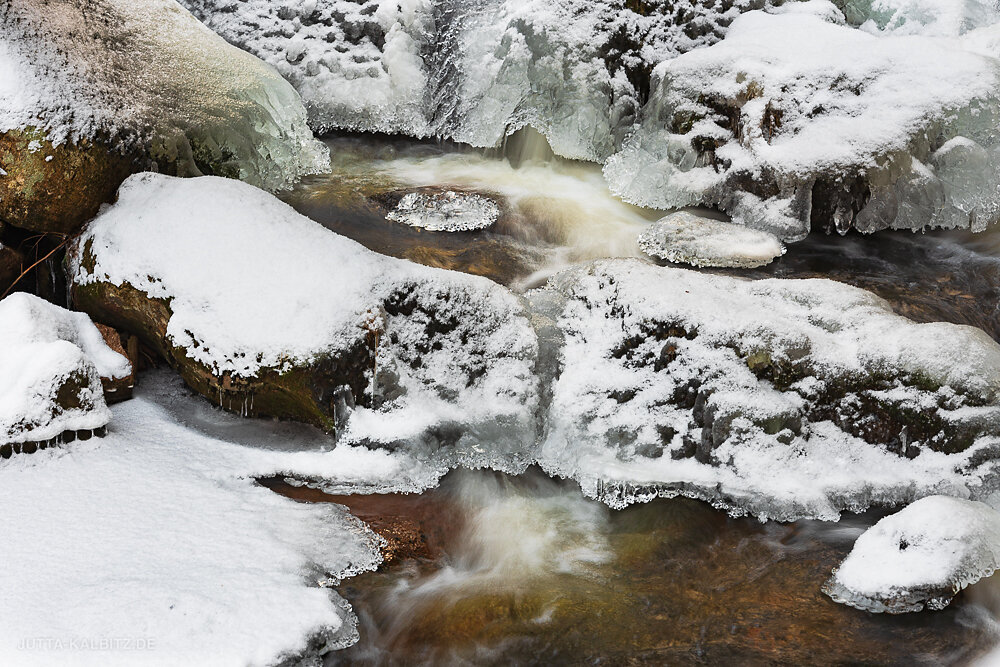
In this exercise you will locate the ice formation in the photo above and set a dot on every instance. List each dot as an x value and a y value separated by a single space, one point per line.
795 120
692 239
51 362
777 398
473 71
447 211
920 557
946 18
158 539
149 73
445 356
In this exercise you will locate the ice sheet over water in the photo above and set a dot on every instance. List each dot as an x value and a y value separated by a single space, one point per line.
194 561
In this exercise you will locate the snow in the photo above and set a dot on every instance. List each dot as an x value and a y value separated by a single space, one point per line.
920 556
25 318
818 102
253 285
157 537
946 18
149 73
45 352
656 393
692 239
447 211
472 71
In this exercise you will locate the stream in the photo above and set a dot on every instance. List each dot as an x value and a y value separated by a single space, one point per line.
499 569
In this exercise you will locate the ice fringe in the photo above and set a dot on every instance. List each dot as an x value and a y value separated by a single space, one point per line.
147 74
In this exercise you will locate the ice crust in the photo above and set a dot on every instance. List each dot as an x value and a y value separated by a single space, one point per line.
794 115
455 353
473 71
157 534
945 18
149 73
776 399
447 211
51 362
920 557
692 239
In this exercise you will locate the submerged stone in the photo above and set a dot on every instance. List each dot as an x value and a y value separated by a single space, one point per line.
920 557
687 238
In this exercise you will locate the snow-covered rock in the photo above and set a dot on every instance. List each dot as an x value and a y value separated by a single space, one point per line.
155 546
779 398
266 312
51 361
795 121
472 71
147 74
693 239
447 211
920 557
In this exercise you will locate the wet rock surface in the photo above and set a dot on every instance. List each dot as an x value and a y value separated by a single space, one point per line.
55 189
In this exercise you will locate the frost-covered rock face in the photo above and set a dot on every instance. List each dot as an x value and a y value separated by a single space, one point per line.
51 362
474 71
268 313
920 557
778 398
795 122
692 239
148 74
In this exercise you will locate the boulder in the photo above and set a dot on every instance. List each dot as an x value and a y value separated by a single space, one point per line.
265 312
795 122
778 398
95 90
52 361
920 557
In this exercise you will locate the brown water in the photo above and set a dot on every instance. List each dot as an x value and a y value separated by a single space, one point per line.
490 569
526 570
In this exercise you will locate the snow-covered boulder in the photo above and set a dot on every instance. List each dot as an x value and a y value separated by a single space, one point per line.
51 361
577 70
88 88
268 313
796 121
920 557
693 239
779 398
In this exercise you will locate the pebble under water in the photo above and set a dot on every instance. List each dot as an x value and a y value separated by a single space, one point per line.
498 569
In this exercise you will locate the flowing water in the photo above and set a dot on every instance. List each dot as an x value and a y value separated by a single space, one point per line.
496 569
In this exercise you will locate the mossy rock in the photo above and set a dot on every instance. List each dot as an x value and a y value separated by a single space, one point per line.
54 189
313 393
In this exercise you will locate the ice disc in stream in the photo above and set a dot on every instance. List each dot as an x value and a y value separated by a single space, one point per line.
447 211
692 239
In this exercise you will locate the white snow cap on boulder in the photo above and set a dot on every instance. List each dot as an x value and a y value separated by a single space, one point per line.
146 71
51 362
919 557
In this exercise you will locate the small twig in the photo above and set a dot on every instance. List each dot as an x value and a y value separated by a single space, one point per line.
28 270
